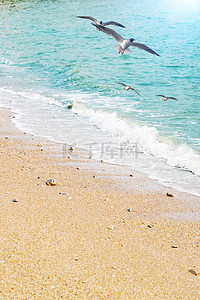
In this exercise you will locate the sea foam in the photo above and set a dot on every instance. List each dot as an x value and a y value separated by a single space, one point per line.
147 138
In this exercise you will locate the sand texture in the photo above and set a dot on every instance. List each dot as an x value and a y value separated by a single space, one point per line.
93 235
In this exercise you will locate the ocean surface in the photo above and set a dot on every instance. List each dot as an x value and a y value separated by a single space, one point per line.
50 59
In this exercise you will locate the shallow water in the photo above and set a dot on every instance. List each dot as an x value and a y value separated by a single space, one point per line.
50 58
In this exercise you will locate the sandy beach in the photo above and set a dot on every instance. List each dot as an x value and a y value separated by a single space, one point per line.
99 233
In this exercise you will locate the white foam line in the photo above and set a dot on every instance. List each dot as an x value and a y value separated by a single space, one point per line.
147 138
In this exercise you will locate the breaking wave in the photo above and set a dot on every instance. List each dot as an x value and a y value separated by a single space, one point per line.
147 138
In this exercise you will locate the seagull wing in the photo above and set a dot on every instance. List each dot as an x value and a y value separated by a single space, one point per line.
161 96
144 47
121 83
135 91
87 17
113 34
113 23
172 98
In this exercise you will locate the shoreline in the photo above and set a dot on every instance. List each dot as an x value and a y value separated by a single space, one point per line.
98 233
141 181
58 130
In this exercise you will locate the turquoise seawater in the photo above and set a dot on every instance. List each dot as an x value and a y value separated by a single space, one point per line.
48 58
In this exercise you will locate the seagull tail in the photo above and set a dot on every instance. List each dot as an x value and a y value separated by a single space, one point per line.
127 51
120 50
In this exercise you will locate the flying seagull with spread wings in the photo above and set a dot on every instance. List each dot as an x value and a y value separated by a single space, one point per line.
166 98
127 87
101 22
124 44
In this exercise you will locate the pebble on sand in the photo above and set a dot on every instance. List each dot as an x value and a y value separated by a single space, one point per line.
40 144
193 272
170 195
14 200
62 193
50 182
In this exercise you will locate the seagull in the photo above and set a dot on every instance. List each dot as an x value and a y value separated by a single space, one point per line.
127 87
101 22
124 44
166 98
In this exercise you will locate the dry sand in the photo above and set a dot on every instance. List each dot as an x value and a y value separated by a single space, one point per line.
110 236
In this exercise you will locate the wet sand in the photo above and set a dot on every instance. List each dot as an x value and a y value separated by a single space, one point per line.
99 233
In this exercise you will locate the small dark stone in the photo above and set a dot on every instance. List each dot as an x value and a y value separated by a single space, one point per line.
170 195
131 175
174 247
149 226
14 200
129 209
193 272
70 105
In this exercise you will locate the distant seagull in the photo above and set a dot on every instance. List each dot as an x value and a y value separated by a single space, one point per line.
100 22
124 44
166 98
127 87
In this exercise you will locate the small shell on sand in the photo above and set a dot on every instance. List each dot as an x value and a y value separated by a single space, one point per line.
40 144
111 227
50 182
